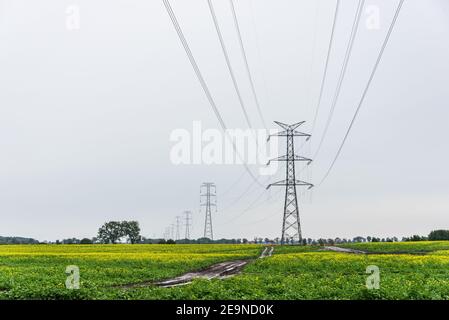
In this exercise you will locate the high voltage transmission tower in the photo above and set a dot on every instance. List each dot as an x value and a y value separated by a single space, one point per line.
188 223
178 224
172 231
208 199
167 233
291 225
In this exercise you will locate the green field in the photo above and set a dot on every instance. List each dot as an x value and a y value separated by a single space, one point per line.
409 270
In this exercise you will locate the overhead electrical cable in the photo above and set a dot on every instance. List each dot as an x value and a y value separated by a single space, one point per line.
312 59
231 187
259 54
255 204
355 27
362 99
245 59
239 197
323 79
253 87
204 85
249 190
232 74
228 63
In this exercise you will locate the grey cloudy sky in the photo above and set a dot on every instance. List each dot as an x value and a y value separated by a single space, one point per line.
86 115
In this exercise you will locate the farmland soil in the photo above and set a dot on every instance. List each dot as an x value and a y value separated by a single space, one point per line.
220 270
345 250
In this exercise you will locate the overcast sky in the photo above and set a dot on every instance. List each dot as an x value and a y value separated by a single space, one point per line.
87 108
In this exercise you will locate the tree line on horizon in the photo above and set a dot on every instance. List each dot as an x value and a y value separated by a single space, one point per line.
113 232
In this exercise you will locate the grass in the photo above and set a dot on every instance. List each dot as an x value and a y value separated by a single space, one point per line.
38 271
293 272
410 247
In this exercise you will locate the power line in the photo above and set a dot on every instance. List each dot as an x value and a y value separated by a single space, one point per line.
379 58
253 205
247 191
266 217
228 63
248 71
172 231
204 85
239 197
355 27
231 187
194 64
259 55
231 71
167 233
312 58
323 80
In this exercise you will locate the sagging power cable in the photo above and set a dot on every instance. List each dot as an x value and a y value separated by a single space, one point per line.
365 91
205 87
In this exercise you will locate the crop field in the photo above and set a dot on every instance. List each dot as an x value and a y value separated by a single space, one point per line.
409 270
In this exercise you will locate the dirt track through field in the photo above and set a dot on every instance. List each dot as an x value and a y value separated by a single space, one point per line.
220 270
345 250
217 271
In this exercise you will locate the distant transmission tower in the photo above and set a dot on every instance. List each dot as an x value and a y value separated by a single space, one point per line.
291 226
178 224
208 199
167 233
188 223
172 231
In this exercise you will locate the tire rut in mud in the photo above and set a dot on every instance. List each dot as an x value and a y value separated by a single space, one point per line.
220 270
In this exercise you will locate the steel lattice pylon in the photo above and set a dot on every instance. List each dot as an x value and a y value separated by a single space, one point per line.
178 220
208 199
291 225
188 219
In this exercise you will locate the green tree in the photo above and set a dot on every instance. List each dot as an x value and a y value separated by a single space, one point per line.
86 241
417 238
110 232
131 229
439 235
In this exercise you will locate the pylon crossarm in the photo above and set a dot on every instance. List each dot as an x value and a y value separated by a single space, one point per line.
302 183
275 184
284 183
282 125
295 158
289 127
301 134
281 158
286 134
299 158
278 134
296 125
